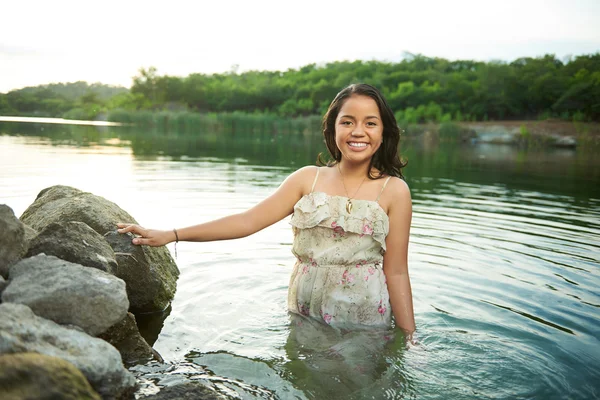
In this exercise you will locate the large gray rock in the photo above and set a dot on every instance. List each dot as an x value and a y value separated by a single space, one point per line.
150 272
67 293
22 331
150 288
13 243
41 377
65 203
126 338
30 233
75 242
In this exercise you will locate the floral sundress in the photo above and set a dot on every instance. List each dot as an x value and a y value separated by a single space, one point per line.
338 276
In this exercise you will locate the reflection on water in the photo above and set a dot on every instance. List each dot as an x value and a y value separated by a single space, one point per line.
150 324
330 363
319 363
36 120
504 261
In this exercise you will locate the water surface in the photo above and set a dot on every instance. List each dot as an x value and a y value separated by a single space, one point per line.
504 261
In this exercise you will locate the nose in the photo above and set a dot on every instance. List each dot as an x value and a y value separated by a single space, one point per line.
358 131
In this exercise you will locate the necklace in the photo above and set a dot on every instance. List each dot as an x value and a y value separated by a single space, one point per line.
349 202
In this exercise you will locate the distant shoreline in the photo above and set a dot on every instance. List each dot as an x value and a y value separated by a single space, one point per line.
536 127
544 127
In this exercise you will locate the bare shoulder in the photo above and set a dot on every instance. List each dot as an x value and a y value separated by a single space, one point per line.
398 189
305 173
303 178
395 199
309 169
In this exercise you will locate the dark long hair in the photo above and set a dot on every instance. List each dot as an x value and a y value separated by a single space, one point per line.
386 159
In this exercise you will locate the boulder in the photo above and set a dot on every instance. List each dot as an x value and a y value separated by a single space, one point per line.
67 293
65 203
22 331
30 233
564 141
126 338
149 286
13 243
150 272
76 242
42 377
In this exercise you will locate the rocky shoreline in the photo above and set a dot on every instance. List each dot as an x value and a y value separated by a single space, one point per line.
522 134
69 288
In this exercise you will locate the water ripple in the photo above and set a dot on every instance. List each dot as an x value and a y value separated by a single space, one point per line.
505 283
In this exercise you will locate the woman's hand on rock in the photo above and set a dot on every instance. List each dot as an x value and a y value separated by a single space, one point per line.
147 237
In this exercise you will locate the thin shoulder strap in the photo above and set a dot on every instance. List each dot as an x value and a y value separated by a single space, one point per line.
315 181
384 184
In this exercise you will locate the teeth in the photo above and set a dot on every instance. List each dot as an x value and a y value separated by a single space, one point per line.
357 144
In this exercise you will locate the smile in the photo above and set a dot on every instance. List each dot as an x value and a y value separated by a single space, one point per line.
357 144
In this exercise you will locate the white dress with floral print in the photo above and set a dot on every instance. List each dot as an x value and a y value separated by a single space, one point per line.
338 277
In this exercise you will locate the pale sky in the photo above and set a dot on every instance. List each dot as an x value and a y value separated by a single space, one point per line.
108 41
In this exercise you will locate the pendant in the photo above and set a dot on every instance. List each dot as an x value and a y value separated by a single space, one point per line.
349 206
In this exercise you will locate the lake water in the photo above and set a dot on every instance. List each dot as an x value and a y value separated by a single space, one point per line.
504 261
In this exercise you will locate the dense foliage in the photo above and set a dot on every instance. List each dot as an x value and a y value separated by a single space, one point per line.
77 100
418 88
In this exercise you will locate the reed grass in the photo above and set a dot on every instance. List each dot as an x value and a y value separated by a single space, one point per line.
235 122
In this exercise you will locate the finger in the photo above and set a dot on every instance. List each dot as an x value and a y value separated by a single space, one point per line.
139 241
129 228
125 229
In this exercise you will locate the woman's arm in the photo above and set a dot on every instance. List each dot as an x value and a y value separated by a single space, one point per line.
274 208
395 260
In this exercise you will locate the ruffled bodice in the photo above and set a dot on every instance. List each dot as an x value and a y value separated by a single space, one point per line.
338 277
324 230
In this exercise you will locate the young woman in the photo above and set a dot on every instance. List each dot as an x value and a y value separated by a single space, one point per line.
351 221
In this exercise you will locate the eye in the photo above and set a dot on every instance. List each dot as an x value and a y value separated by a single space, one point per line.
345 122
371 124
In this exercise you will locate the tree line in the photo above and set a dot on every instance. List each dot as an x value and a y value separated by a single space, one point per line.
418 88
77 100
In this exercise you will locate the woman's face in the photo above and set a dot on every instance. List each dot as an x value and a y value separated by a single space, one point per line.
358 129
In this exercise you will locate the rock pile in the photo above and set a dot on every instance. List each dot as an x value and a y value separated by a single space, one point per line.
69 284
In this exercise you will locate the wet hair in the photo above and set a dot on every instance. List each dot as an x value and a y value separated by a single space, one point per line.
386 159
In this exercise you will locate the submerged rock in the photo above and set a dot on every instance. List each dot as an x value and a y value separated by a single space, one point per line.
187 391
42 377
126 338
13 240
75 242
150 272
22 331
68 293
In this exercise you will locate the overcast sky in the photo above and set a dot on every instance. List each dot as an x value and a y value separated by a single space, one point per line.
108 41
